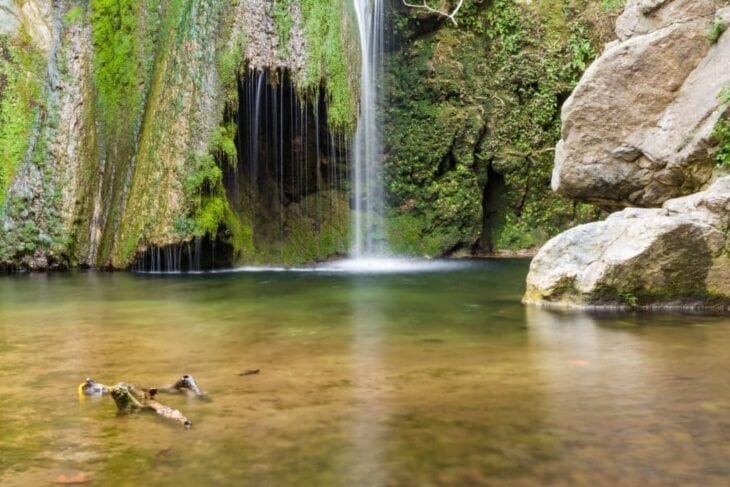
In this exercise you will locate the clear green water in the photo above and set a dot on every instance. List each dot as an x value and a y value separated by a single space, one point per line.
436 378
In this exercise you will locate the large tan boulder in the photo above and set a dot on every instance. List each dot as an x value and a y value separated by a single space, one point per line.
674 256
636 130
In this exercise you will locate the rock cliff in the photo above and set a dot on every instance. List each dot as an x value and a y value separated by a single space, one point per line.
645 127
637 129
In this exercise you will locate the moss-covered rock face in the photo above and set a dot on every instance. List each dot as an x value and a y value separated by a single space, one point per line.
115 121
472 119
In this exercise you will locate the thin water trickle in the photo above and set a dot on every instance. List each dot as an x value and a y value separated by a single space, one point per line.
367 174
254 157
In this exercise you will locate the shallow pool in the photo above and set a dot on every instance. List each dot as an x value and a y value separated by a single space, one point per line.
434 376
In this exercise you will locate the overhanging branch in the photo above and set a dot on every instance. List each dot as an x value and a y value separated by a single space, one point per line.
451 16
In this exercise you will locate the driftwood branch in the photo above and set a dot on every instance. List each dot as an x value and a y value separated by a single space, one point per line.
129 398
451 16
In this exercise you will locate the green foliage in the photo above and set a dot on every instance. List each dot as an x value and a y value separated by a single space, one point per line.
630 299
21 93
230 62
327 61
418 235
477 102
281 13
117 52
309 233
581 49
725 95
718 28
74 15
722 135
612 5
205 197
223 142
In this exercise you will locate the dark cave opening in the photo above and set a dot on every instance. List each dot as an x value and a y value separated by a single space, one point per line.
199 254
493 204
286 154
285 148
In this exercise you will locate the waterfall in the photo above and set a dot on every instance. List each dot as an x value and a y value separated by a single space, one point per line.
367 175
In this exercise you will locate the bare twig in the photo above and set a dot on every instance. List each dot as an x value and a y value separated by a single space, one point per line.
451 16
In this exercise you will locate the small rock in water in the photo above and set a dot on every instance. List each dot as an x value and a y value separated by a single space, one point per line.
250 372
73 479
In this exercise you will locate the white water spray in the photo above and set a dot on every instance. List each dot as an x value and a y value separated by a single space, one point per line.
367 177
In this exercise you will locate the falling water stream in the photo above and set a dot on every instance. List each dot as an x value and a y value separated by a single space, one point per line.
368 238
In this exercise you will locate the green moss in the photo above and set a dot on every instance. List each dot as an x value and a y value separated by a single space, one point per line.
223 142
722 135
415 235
230 63
327 60
117 52
74 15
316 227
127 43
21 102
282 15
718 28
207 207
471 123
612 5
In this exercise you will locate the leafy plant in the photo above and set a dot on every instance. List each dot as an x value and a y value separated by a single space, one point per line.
581 49
630 299
722 135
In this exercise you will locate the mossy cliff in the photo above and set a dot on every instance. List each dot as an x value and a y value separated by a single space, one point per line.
123 127
473 117
113 126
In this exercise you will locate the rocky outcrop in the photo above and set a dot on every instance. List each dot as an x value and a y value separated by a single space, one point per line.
674 256
637 129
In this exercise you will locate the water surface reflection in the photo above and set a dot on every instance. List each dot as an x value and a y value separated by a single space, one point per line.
435 378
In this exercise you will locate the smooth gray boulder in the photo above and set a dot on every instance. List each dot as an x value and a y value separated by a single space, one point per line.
637 129
677 256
